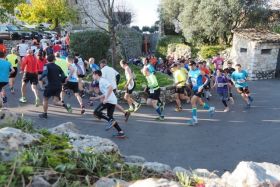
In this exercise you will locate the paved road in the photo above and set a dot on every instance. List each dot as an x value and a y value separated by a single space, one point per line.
219 143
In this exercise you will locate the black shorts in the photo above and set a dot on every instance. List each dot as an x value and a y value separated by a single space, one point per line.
180 90
14 74
52 92
198 94
2 85
30 77
155 95
244 90
81 76
130 91
40 72
74 86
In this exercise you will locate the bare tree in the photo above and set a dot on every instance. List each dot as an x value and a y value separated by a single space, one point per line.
107 19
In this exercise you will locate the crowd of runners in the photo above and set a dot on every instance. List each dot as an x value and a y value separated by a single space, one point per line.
49 69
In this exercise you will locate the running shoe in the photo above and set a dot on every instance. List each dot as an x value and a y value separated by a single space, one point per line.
191 122
23 100
211 111
126 115
110 124
37 102
5 99
69 108
83 110
178 109
226 109
160 118
130 110
43 116
136 108
119 135
231 100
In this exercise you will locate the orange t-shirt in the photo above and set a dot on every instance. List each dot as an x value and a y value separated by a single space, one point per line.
3 48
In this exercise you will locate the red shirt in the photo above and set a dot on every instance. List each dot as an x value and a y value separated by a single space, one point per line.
3 48
41 64
56 48
29 64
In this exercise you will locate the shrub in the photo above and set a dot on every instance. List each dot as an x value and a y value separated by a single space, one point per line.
161 49
210 51
90 44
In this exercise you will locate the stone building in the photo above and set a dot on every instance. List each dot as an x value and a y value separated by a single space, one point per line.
258 52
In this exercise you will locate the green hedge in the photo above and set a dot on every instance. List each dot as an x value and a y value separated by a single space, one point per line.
90 44
161 49
210 51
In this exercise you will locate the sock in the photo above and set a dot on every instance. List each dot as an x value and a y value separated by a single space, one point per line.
206 106
117 127
158 111
225 103
194 112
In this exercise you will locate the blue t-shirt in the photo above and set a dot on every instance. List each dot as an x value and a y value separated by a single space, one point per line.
196 79
239 79
151 68
94 67
5 68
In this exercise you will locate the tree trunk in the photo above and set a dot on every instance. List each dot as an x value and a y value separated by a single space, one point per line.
57 26
114 48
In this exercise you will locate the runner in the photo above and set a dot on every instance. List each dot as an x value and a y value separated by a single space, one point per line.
153 91
228 72
180 79
14 59
62 63
129 86
41 60
55 78
3 48
222 83
93 66
239 78
218 61
29 68
202 66
197 84
109 103
72 83
81 69
22 48
6 68
111 75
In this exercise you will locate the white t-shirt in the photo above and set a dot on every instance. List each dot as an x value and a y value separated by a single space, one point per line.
22 49
103 86
110 74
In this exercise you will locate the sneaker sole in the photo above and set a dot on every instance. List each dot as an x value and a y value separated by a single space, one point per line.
136 109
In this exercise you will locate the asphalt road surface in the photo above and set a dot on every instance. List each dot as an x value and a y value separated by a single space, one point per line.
217 143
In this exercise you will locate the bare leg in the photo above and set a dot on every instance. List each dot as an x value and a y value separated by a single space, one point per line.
23 89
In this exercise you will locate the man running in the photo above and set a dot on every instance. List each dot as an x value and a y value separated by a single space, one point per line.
218 61
3 48
79 62
14 59
29 68
153 91
228 72
129 86
72 83
111 75
180 79
239 78
22 48
197 84
55 78
109 103
6 68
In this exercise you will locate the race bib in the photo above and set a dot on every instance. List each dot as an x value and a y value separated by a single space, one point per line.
221 84
194 81
152 91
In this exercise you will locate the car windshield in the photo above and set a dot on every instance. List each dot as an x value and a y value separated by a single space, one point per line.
12 27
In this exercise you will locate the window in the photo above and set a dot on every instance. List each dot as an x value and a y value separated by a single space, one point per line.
243 50
266 51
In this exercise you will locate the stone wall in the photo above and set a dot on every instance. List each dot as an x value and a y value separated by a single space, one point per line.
259 66
179 50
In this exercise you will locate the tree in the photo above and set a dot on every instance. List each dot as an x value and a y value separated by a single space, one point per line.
136 28
7 7
105 20
56 12
145 29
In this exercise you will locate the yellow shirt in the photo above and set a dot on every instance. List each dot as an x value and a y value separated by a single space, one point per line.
180 77
13 59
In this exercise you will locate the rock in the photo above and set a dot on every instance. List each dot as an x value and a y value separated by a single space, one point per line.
39 182
7 117
108 182
150 182
157 168
181 170
253 174
179 50
12 140
65 128
204 174
134 159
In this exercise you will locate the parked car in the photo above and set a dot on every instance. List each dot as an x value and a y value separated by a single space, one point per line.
9 32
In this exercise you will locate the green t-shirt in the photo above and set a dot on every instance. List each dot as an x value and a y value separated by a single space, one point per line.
152 81
63 65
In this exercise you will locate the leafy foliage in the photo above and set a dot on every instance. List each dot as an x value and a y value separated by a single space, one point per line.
210 51
162 46
96 44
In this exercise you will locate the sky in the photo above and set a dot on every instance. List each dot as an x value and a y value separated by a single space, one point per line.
145 11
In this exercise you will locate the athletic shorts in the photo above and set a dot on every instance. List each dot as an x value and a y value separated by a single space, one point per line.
198 94
244 90
180 90
129 91
14 74
52 92
2 85
40 73
74 86
30 77
81 76
154 95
